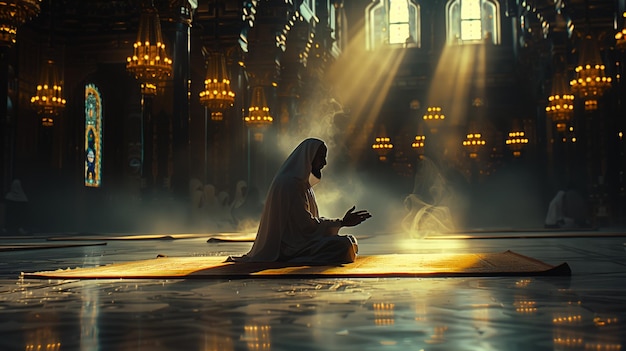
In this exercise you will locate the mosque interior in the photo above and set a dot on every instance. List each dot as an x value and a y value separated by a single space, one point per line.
169 117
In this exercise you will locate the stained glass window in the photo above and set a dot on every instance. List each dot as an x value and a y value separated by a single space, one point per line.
93 136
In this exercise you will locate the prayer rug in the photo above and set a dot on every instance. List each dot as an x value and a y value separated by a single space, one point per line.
211 237
244 238
506 263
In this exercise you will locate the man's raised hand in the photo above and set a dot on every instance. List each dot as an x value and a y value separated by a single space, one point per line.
351 218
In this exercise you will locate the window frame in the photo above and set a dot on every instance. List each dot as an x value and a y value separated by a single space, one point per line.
455 22
373 34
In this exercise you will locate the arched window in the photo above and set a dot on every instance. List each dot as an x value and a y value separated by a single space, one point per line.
394 23
473 21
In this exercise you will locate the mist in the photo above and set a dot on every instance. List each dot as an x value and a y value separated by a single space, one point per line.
441 197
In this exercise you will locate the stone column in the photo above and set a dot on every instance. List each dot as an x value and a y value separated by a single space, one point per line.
4 119
147 157
181 86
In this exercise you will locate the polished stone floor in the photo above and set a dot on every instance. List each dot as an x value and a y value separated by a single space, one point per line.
586 311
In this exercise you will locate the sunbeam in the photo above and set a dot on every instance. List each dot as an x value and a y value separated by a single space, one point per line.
361 82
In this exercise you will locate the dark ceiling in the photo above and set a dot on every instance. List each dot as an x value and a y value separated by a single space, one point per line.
79 18
92 25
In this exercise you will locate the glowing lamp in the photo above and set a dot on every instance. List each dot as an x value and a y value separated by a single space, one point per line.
516 142
217 95
591 81
591 105
560 108
382 146
149 62
433 117
434 113
473 143
418 144
47 121
48 100
419 141
258 112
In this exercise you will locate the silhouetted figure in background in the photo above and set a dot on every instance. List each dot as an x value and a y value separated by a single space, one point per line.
249 212
196 197
567 210
241 191
428 212
224 218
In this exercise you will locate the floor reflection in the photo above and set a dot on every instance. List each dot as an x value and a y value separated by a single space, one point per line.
584 312
89 312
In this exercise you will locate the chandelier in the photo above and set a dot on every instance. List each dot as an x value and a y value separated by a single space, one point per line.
258 112
620 37
217 95
516 142
418 145
434 113
149 63
48 100
419 142
382 146
434 117
473 143
14 13
560 103
591 81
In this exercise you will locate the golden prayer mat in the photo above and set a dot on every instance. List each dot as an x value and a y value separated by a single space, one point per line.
211 238
506 263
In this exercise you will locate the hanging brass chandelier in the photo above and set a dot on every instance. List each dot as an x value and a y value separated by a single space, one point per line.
419 142
13 13
591 81
473 144
434 117
434 113
516 142
149 63
217 95
560 102
258 112
382 146
48 100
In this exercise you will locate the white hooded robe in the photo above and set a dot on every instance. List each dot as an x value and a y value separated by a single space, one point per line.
290 228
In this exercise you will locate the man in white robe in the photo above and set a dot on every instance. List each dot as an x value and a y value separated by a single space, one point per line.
566 210
291 229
